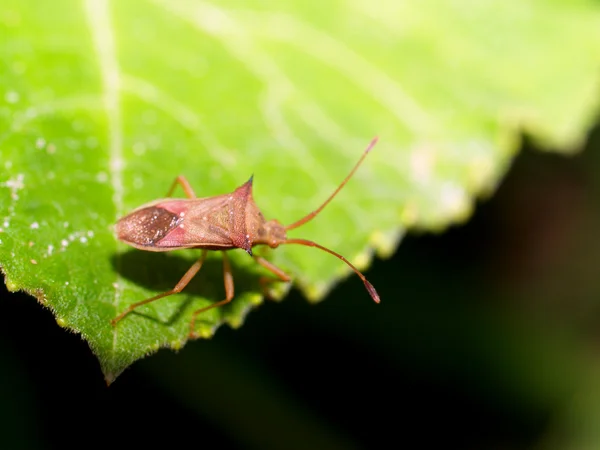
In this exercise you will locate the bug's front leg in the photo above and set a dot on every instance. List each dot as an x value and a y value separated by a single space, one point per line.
185 184
265 281
229 292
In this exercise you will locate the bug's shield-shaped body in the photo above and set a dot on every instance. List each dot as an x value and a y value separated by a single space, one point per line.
223 222
214 223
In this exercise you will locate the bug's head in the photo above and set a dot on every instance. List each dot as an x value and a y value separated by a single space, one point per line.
271 233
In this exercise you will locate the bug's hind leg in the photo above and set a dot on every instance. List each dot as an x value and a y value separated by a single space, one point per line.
187 277
229 292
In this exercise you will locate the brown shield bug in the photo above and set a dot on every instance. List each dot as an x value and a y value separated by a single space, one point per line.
223 222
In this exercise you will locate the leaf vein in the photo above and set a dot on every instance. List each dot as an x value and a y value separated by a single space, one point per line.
99 20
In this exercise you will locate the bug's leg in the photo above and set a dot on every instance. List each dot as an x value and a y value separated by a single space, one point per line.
186 186
191 273
265 281
229 290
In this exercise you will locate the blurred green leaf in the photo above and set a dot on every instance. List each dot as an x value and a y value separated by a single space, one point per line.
104 103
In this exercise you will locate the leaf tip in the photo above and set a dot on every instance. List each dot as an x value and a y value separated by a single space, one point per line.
109 377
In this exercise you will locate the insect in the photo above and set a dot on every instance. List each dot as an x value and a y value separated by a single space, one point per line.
223 222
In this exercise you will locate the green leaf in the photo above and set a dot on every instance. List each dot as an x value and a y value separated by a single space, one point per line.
103 103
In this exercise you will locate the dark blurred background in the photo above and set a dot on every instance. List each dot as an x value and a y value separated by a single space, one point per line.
487 337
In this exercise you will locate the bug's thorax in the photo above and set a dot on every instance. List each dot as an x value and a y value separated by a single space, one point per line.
256 230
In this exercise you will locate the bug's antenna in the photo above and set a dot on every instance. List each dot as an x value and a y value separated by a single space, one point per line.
311 215
372 292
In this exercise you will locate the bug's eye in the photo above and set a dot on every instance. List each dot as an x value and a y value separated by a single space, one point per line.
146 226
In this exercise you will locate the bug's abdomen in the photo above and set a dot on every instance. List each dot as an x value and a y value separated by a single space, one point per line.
146 227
